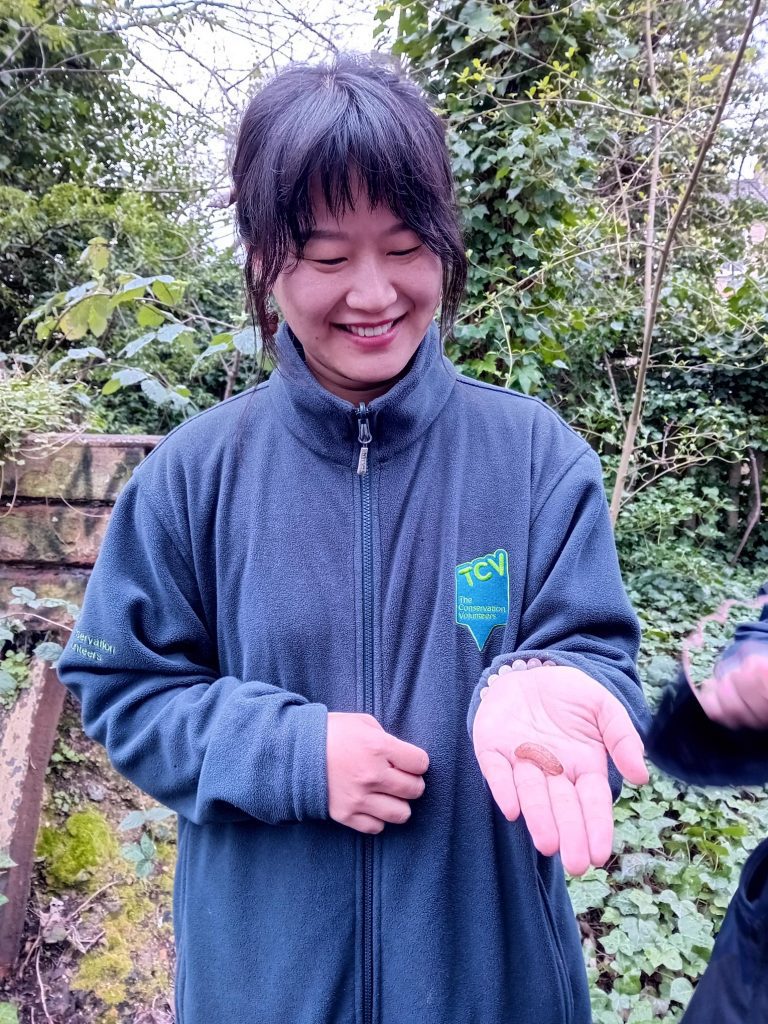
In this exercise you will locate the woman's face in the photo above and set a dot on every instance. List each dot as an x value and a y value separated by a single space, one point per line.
360 299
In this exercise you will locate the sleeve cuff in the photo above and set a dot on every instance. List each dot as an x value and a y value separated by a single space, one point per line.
309 769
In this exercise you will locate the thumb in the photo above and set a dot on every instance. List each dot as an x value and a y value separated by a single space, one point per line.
621 739
406 756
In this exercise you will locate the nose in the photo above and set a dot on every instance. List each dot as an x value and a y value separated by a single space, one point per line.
372 289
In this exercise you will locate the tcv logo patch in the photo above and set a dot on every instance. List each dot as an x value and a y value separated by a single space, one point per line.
482 594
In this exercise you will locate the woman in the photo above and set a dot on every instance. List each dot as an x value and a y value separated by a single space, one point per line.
303 591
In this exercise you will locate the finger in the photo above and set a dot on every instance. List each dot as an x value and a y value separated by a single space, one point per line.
755 690
536 807
387 808
707 696
366 823
596 799
718 705
401 784
734 694
501 782
621 739
406 756
569 818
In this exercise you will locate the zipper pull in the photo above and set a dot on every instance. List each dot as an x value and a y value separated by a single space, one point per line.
363 438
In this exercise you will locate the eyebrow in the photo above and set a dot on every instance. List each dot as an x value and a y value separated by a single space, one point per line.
321 233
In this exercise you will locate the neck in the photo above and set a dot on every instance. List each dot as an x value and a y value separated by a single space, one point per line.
354 391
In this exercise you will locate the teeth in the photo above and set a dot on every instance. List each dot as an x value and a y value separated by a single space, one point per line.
371 332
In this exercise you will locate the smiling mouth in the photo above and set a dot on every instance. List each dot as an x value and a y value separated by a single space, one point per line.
370 332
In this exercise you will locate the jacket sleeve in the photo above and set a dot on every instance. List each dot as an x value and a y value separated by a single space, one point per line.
688 745
754 632
143 665
575 610
685 743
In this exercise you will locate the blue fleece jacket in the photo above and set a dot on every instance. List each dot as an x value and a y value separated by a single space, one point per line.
251 579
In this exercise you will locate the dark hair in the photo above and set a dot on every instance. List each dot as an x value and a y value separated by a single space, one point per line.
329 123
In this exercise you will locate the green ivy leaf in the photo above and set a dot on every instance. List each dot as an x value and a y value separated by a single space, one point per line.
680 991
589 891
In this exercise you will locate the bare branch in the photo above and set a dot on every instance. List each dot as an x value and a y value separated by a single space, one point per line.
652 300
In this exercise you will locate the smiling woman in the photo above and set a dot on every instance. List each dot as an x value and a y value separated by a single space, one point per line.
361 297
350 170
342 603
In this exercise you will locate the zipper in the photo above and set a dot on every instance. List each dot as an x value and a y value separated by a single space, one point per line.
364 439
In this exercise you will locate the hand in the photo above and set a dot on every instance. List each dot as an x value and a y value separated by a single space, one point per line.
371 775
579 723
737 696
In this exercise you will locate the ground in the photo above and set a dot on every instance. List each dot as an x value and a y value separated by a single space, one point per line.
98 941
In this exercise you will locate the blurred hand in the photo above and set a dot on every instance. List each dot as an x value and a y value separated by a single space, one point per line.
737 695
579 723
371 775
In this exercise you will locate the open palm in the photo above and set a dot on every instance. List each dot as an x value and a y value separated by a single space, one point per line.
542 739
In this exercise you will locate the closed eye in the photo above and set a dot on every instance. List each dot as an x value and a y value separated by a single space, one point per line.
341 259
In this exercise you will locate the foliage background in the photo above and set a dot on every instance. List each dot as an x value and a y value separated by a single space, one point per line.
121 309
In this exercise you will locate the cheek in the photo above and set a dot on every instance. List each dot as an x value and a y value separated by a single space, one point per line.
426 290
300 295
427 284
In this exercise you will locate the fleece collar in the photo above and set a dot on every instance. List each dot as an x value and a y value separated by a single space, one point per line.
328 425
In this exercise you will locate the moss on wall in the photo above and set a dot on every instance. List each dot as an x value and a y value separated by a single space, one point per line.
80 853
